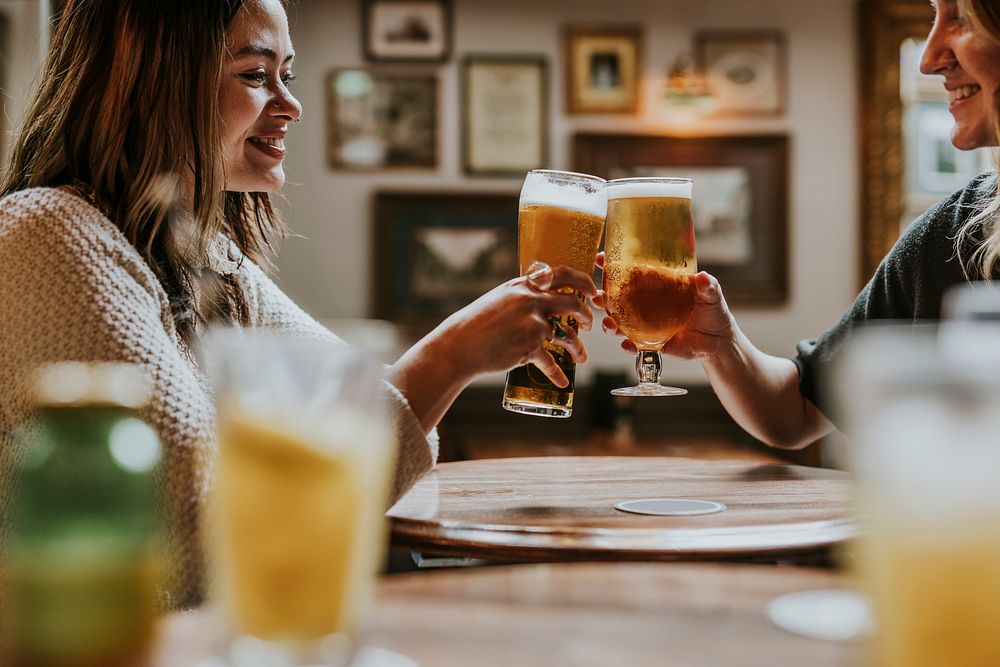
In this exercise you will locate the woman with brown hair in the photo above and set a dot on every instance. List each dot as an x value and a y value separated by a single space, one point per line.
145 103
780 401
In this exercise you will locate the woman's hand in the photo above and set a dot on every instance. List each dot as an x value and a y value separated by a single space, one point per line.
506 327
500 330
709 328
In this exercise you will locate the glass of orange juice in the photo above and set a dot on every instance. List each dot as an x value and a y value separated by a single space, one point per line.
297 524
924 420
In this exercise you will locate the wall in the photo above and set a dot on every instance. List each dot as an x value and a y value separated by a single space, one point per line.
23 57
327 271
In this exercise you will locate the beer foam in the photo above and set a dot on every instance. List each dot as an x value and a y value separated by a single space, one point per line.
654 187
550 194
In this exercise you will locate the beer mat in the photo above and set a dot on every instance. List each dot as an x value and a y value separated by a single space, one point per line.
670 507
837 615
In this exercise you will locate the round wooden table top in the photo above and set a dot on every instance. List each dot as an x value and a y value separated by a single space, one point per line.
577 614
563 508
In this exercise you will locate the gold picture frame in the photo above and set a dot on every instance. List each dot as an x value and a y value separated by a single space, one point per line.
603 70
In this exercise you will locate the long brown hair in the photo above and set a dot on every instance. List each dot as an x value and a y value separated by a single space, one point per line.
984 21
128 100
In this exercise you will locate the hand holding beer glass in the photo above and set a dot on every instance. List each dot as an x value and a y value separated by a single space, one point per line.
560 222
649 270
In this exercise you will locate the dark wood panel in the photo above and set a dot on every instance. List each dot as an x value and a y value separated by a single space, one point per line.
693 425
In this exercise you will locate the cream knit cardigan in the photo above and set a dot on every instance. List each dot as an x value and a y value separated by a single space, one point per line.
73 288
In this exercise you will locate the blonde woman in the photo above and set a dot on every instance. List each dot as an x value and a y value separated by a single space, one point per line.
776 399
94 267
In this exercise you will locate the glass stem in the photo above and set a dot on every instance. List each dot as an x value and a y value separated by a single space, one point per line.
647 366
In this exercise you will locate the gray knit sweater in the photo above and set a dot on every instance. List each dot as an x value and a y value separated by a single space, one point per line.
73 288
907 286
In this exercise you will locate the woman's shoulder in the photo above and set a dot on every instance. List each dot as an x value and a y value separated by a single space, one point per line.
56 215
947 217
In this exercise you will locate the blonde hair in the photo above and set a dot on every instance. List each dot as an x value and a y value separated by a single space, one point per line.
128 97
984 20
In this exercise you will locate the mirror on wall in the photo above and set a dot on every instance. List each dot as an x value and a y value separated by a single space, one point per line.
885 26
932 167
908 162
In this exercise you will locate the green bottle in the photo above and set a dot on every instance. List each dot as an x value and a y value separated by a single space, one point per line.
83 561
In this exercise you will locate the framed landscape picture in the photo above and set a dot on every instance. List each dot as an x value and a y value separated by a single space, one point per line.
603 70
740 202
407 30
379 119
436 252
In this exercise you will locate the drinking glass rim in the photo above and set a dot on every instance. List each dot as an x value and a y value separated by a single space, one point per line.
650 179
575 174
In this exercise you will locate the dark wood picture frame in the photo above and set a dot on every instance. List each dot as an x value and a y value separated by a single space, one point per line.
745 52
503 120
410 92
763 279
402 252
615 50
375 51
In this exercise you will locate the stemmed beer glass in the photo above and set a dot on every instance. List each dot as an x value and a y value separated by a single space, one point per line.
649 269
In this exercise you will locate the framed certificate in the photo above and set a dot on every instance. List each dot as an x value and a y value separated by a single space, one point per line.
504 115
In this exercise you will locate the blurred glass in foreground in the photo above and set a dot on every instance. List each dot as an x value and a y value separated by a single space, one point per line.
924 421
85 553
305 451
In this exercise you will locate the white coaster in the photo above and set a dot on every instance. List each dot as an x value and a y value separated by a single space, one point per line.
670 507
834 615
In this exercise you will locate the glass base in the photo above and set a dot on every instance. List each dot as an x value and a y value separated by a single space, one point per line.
649 389
538 410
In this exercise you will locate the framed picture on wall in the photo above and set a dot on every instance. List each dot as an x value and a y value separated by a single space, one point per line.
740 202
381 119
603 70
436 252
407 30
745 70
504 114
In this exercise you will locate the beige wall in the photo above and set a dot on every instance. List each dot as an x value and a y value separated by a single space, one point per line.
327 272
23 56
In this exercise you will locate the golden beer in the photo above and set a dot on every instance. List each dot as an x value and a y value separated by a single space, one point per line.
552 230
650 267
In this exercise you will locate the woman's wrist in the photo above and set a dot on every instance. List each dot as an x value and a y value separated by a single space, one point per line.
729 352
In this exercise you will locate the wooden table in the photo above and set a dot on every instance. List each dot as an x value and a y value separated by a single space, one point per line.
581 615
562 509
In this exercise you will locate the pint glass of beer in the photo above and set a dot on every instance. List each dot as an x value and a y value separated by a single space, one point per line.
649 269
560 222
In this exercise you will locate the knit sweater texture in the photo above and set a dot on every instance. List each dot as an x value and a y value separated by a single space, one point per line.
72 288
908 285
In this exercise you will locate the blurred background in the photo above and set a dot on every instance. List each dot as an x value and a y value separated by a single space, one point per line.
811 138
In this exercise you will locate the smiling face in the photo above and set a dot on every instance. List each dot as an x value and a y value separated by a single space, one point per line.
255 105
970 65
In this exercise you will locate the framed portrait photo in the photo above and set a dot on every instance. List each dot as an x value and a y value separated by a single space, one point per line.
407 30
603 70
740 201
436 252
504 114
745 70
381 120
